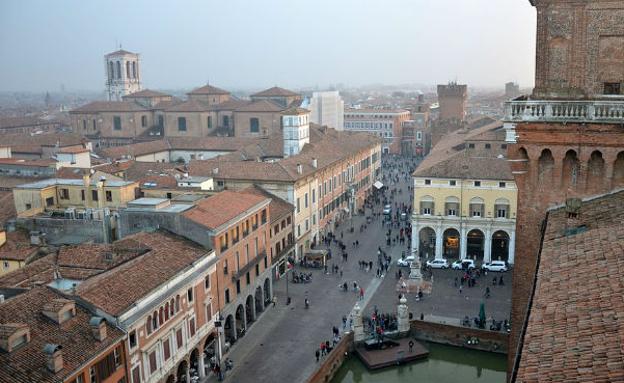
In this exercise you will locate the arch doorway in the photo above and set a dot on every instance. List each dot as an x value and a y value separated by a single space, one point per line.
194 360
170 379
267 292
182 371
475 245
451 244
500 246
240 321
259 304
250 314
426 242
229 328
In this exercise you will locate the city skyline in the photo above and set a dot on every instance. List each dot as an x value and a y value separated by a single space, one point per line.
415 42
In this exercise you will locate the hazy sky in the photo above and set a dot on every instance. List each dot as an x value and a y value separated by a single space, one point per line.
261 43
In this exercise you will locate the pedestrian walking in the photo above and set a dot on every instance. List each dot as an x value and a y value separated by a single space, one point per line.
318 355
322 348
361 293
460 289
411 345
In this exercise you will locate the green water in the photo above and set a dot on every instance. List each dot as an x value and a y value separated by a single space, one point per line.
446 364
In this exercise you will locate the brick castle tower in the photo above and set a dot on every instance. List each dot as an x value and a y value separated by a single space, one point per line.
452 99
567 138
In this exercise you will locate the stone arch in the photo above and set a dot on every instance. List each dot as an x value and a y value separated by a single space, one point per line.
475 245
170 379
194 360
451 243
595 171
427 242
500 246
241 325
229 328
545 165
182 371
267 291
250 314
521 161
118 69
570 170
618 170
259 298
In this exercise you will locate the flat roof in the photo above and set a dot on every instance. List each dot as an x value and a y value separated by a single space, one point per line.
69 182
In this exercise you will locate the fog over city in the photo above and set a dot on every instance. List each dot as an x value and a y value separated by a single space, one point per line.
241 44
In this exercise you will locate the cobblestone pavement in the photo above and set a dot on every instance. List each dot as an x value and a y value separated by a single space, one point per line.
445 303
280 346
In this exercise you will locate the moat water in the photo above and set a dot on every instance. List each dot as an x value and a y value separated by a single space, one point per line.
446 364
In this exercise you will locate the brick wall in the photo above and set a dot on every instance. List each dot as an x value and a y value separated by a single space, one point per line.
330 365
554 162
492 341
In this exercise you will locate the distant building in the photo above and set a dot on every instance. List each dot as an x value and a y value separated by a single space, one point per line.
296 130
452 99
122 74
27 125
384 123
326 108
512 90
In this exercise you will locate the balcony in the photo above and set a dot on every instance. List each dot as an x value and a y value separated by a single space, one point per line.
249 266
598 111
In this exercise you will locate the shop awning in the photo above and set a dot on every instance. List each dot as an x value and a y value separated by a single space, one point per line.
378 185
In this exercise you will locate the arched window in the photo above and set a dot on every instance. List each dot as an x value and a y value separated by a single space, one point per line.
501 207
177 307
149 324
167 311
427 205
171 307
477 207
451 206
155 320
144 121
134 74
118 69
127 69
111 71
161 317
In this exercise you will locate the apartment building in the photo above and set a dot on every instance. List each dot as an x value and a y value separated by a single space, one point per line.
384 123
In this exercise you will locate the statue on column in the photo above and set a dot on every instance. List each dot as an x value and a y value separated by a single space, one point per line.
403 315
358 328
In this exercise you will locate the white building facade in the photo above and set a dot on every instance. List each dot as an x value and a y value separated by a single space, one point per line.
123 75
327 108
296 124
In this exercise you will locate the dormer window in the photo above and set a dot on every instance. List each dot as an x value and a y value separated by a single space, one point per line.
13 336
60 310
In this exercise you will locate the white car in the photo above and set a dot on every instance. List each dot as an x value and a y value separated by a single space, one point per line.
387 210
438 264
405 262
463 264
495 266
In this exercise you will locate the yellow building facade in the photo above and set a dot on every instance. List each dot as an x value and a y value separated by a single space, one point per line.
465 208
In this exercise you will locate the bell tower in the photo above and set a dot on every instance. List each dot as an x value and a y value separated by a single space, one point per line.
123 75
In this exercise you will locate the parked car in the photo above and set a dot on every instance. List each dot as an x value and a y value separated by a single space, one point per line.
387 210
438 264
403 216
464 264
495 266
406 261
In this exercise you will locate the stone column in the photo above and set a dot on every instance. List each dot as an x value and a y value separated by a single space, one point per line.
188 373
415 239
403 315
358 327
512 247
438 245
487 246
463 243
201 365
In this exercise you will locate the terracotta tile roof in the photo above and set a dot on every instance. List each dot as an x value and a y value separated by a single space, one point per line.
17 247
167 103
50 139
208 89
43 271
464 165
177 143
375 111
73 150
295 110
28 362
278 207
220 208
7 211
260 106
275 91
28 163
116 290
575 331
146 93
453 143
189 106
17 122
328 146
109 106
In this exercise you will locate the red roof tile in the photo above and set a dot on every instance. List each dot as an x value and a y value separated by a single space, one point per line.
220 208
275 91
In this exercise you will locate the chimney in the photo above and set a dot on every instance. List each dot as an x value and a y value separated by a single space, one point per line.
314 163
299 169
54 357
98 328
86 179
215 171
